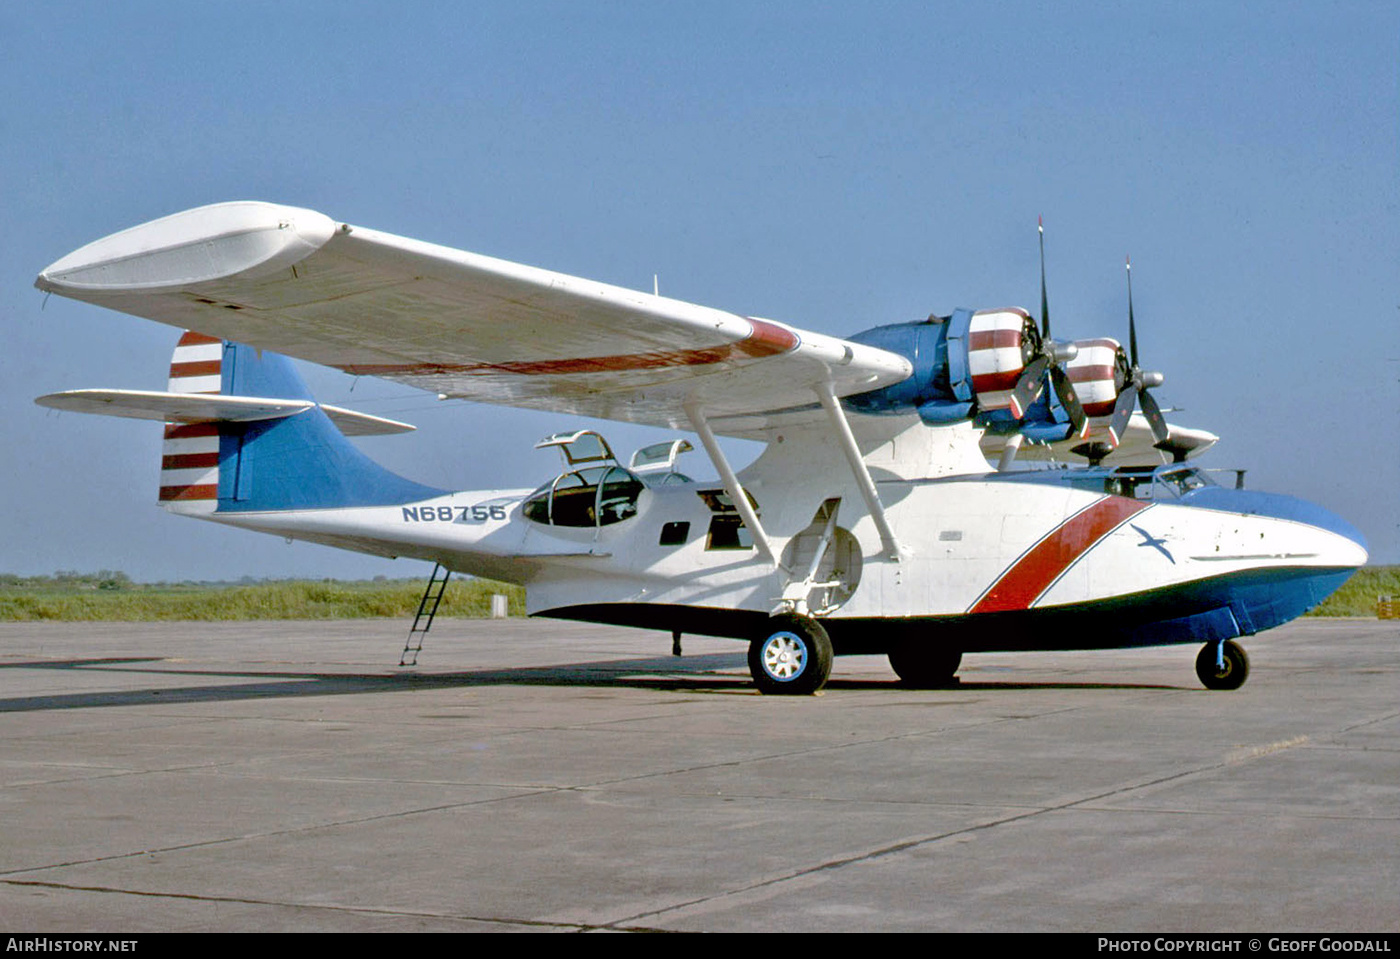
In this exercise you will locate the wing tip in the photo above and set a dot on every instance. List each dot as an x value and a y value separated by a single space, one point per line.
241 237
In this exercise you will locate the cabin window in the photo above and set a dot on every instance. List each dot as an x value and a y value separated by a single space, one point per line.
727 529
674 534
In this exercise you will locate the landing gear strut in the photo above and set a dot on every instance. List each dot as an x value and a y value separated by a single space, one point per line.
792 655
1222 665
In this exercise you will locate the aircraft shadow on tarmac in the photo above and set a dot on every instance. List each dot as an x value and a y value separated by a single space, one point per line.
714 673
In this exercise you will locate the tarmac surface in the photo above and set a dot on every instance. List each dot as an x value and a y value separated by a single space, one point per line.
537 776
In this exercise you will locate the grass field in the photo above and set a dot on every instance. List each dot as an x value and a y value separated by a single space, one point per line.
111 596
107 597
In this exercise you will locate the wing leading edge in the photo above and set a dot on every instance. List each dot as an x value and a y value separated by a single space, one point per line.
456 323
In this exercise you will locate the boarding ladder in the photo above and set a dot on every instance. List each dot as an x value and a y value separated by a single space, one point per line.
427 609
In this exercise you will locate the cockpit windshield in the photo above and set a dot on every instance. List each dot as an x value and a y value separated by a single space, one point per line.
589 497
597 496
1183 480
1163 482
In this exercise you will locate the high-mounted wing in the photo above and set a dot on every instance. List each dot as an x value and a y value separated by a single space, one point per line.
467 326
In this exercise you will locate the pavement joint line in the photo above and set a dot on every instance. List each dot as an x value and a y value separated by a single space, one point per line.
908 844
1369 722
272 833
362 910
535 791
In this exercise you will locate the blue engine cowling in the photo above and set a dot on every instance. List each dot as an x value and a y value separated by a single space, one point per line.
965 365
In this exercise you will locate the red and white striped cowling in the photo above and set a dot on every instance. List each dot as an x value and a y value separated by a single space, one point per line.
1097 380
994 355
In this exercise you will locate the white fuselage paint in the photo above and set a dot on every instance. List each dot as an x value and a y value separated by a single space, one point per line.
965 532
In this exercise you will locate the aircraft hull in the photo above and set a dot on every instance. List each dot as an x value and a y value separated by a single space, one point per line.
1010 565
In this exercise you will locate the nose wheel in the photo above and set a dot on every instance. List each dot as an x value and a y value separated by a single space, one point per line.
791 656
1222 665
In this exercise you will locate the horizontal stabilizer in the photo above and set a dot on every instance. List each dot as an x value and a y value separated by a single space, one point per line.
206 407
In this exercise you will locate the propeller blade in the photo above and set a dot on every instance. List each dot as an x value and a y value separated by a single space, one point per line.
1044 300
1132 326
1028 386
1064 389
1122 412
1155 419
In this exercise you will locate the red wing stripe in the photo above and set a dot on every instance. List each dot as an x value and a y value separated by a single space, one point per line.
767 339
1038 568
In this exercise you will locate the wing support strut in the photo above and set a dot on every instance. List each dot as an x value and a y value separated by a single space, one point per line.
864 481
730 481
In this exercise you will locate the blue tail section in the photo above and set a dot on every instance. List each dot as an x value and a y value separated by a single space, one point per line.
301 461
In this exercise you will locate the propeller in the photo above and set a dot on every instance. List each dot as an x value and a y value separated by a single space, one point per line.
1136 384
1045 356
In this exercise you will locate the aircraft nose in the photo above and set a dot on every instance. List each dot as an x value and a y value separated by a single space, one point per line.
1345 549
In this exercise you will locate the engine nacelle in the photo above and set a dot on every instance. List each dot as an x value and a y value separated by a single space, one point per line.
965 365
1098 373
999 345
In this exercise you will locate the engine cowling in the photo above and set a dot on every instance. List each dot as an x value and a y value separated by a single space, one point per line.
999 345
1098 373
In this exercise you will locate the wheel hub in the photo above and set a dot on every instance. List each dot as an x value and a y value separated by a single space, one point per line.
784 656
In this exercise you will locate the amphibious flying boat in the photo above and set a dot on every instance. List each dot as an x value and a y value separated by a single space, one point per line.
871 523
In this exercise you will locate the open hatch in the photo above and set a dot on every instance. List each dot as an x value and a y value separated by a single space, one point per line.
593 491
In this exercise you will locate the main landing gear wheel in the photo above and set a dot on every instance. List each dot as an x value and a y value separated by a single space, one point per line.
925 665
791 656
1231 675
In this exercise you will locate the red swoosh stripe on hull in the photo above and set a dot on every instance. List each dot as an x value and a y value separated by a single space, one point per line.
767 339
1038 568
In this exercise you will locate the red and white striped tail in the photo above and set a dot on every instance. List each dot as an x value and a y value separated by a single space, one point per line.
189 465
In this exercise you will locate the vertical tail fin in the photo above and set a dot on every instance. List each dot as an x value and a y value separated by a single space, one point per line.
298 461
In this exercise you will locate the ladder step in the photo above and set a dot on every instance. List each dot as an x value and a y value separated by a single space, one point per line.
427 609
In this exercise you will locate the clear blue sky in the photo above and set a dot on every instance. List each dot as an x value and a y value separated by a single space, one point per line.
833 166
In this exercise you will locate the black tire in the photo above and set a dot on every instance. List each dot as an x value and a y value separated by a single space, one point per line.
792 656
1232 675
925 664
